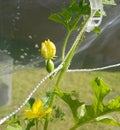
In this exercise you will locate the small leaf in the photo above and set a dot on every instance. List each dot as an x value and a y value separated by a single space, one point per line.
97 30
114 104
74 7
107 120
109 2
57 18
46 100
59 114
100 91
30 103
16 127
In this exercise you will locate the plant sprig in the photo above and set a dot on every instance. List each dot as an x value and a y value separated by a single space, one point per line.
74 17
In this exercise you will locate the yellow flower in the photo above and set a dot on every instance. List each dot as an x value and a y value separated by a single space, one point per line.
37 111
48 49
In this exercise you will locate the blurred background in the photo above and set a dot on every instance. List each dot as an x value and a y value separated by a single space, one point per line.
23 24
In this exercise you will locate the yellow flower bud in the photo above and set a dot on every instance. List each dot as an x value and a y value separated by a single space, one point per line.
48 49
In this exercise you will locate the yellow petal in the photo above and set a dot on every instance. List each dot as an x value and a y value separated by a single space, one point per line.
37 107
29 114
37 111
48 49
48 110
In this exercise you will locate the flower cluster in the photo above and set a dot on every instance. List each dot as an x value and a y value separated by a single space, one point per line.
37 111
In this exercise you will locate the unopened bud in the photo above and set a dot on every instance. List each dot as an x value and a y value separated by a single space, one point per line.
48 49
49 65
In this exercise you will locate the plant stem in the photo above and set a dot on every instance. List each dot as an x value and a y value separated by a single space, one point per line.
66 64
65 43
52 101
67 37
36 124
46 123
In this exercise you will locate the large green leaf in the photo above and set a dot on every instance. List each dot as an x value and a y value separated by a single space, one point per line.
74 104
96 112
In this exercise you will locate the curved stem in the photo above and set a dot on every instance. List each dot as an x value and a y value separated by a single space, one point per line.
66 63
65 43
68 35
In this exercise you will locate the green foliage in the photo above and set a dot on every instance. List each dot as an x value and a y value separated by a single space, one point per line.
109 2
46 100
30 103
71 16
29 124
14 123
96 112
97 30
100 91
15 127
74 104
107 120
58 113
114 104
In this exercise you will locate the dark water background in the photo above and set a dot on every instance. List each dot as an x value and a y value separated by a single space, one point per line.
25 23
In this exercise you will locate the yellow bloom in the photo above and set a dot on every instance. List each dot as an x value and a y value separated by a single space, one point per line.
37 111
48 49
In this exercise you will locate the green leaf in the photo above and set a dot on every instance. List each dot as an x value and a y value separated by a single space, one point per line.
107 120
96 112
109 2
74 104
16 127
46 100
97 30
74 7
71 16
59 114
30 103
56 18
100 91
114 104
